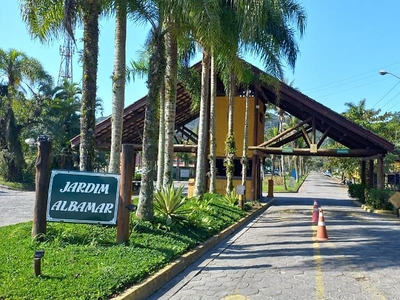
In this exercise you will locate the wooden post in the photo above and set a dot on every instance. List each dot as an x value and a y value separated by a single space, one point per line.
371 173
125 198
241 202
363 172
254 181
41 186
380 176
271 188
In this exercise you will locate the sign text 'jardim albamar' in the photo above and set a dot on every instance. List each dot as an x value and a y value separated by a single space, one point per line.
83 197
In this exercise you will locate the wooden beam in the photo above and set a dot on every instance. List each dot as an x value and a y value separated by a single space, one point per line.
283 133
320 152
306 137
323 137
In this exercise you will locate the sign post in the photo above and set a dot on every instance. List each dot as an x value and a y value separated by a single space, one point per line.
41 186
240 191
127 164
83 197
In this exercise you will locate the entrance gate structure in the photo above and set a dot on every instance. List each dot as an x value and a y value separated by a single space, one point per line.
356 141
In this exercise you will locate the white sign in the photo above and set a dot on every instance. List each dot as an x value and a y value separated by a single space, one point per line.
240 189
185 173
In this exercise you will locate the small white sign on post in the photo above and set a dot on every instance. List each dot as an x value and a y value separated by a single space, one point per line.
240 189
184 173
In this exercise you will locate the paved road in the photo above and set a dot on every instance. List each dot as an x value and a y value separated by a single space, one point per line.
278 257
15 206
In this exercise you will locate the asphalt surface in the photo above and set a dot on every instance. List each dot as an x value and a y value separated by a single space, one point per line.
278 257
15 206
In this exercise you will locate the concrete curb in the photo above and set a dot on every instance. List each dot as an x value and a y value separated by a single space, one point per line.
159 279
378 211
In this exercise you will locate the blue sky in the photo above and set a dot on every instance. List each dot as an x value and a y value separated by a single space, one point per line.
345 45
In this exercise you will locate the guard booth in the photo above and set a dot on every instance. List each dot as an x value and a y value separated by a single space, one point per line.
256 120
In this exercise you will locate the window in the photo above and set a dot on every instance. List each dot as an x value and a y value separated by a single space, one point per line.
221 170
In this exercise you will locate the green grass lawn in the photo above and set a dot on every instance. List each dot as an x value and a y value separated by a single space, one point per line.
18 185
83 261
279 187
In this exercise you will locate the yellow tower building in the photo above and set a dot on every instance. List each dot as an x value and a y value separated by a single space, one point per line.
256 120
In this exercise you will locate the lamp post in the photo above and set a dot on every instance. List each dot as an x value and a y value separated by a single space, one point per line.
383 72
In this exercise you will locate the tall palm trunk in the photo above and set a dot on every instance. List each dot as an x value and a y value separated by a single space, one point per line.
89 85
170 103
161 139
145 210
230 146
17 162
118 79
213 141
245 139
200 184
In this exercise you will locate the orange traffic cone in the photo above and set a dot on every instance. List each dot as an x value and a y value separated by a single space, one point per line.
315 213
322 235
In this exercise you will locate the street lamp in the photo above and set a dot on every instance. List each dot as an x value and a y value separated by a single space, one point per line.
383 72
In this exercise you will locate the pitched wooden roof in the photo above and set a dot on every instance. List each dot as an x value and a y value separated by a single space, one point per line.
316 116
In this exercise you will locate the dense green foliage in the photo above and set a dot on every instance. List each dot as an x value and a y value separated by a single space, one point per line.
382 124
378 199
83 261
372 197
356 191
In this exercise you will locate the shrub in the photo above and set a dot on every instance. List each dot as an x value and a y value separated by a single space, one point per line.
231 198
8 167
356 191
168 202
378 199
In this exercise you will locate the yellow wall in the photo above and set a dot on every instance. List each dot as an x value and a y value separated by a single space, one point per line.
239 114
221 186
222 130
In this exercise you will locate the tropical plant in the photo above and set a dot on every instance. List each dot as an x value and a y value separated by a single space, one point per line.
231 197
185 19
213 141
156 72
168 202
200 182
268 34
157 14
118 80
21 72
50 19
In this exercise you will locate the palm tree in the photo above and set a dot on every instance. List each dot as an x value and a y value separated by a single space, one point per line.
185 18
155 15
261 28
118 79
170 98
264 28
244 159
48 19
64 111
213 142
359 114
20 70
199 187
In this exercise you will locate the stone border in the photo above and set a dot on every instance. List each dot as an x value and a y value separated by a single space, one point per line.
378 211
153 283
